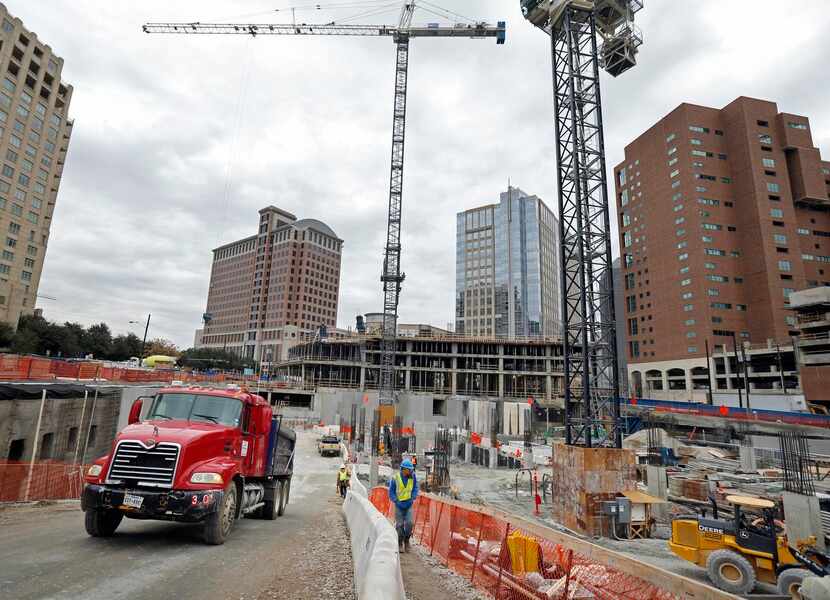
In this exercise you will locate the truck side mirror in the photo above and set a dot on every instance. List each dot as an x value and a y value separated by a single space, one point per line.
135 411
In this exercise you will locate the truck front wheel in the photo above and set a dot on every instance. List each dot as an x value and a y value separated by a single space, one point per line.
102 523
219 524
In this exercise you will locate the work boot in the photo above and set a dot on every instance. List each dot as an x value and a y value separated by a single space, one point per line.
406 546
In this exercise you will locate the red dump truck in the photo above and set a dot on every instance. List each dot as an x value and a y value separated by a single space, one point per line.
199 455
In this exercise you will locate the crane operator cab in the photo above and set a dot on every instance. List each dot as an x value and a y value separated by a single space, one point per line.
749 547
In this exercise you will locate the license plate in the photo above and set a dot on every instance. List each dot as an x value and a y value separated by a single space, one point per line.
133 501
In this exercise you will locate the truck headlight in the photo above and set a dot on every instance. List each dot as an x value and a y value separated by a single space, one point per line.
94 470
206 478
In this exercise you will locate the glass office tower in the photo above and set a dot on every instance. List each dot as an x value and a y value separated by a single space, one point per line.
507 268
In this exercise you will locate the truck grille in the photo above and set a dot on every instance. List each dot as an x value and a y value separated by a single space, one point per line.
136 464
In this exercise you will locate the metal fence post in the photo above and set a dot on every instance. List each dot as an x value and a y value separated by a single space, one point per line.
435 531
35 446
478 546
501 560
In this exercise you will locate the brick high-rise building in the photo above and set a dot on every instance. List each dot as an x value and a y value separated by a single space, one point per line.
506 268
271 288
723 214
34 138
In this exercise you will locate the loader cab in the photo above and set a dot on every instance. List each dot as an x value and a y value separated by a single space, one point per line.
754 524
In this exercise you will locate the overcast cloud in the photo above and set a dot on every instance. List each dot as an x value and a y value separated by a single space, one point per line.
179 140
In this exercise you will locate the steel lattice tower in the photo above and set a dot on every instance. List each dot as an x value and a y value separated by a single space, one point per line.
592 403
591 384
392 276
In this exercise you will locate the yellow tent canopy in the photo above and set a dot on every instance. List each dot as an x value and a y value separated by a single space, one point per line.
159 360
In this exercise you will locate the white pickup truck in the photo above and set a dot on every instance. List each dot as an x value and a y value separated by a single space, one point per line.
329 445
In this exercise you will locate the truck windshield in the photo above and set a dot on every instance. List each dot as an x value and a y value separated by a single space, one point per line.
197 407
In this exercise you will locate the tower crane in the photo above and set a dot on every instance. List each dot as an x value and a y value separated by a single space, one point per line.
592 402
391 275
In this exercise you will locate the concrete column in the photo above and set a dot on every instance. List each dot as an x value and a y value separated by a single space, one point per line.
749 464
362 379
494 457
468 452
501 377
658 487
454 375
407 371
548 384
453 450
657 482
664 377
803 517
689 386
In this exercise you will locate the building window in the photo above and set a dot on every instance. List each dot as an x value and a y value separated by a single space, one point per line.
803 231
711 226
773 187
787 292
686 282
683 256
624 198
698 129
713 292
776 213
627 239
793 125
673 162
621 176
688 307
695 142
784 265
764 138
674 173
768 163
691 349
689 322
740 307
672 150
687 295
691 334
780 239
670 138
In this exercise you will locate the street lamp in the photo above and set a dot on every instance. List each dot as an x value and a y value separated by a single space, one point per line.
144 341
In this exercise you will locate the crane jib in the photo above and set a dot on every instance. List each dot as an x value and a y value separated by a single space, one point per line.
479 30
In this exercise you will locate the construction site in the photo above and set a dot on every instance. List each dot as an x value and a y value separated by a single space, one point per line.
507 467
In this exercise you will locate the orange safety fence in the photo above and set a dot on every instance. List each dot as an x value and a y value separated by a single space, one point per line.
511 558
21 481
25 368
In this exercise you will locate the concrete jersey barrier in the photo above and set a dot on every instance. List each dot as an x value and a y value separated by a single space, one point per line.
377 568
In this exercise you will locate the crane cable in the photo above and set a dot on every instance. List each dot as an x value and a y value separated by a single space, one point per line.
230 160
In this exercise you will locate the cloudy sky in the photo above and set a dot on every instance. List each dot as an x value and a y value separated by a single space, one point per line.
179 140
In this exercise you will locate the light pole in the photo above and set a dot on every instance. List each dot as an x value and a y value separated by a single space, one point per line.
143 341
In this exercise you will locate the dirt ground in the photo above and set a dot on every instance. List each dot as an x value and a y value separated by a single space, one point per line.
425 578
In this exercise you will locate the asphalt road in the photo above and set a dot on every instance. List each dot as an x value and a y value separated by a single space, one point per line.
46 554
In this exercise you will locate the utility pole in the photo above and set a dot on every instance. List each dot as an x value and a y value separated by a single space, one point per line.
735 353
144 340
708 373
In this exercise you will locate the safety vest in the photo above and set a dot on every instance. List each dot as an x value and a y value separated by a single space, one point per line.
344 475
404 492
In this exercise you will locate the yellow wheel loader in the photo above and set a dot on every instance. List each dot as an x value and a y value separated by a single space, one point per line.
738 553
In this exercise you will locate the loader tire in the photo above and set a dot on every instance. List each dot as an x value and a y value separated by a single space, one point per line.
731 572
789 582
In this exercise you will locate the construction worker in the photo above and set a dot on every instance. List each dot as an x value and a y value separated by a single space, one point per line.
403 490
343 480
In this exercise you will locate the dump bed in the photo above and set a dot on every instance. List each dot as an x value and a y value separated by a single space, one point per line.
281 444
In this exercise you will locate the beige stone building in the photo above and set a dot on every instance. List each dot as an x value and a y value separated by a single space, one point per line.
34 137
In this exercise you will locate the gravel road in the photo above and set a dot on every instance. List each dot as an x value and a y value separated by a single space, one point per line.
304 555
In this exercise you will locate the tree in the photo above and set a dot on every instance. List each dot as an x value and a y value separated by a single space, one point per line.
124 347
97 340
26 341
6 335
161 346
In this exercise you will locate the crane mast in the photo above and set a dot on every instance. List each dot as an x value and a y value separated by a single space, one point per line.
391 275
592 402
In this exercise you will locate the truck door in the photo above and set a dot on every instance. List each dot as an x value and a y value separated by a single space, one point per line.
253 441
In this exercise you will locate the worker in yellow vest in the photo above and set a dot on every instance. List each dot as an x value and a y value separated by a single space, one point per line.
403 490
343 480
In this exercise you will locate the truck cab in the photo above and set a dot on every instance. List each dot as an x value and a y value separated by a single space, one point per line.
198 455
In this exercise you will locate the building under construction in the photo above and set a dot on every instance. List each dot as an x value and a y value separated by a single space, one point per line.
441 365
